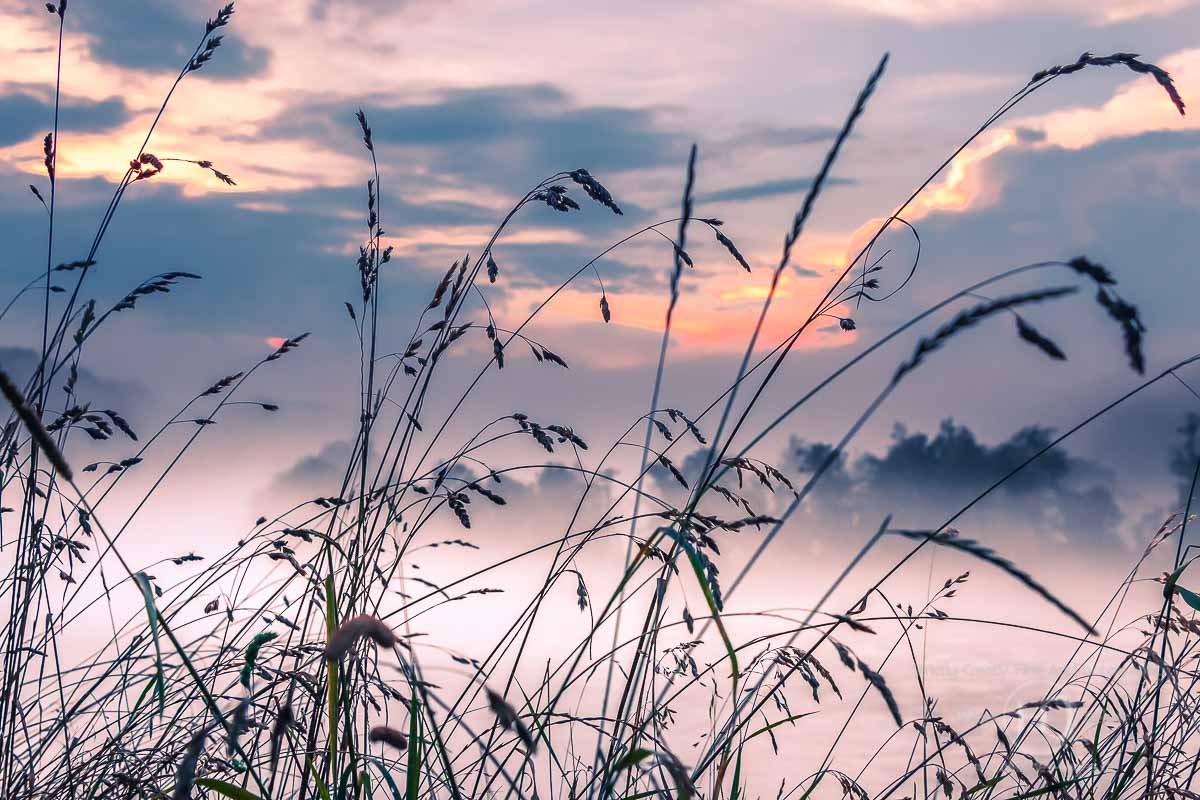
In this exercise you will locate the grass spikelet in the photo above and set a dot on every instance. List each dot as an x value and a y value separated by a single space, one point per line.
1085 266
38 194
968 319
810 199
1126 315
251 655
507 716
685 215
185 775
288 346
355 628
675 473
728 244
48 152
283 723
120 422
877 681
361 116
557 198
440 292
389 736
593 189
1031 335
1052 704
1129 60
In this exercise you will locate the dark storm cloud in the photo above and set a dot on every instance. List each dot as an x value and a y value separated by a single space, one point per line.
755 191
24 115
160 36
924 478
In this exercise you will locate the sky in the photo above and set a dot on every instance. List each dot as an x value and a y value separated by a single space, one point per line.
471 103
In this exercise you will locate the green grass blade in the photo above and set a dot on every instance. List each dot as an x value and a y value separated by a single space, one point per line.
144 584
227 789
413 775
387 776
322 789
331 623
776 724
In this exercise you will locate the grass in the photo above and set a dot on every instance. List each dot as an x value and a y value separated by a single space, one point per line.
288 667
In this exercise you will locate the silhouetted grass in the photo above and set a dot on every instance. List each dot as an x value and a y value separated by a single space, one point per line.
287 666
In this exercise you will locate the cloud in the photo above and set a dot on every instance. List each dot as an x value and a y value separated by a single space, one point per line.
786 136
541 265
160 36
505 135
265 271
922 478
24 115
1138 106
927 12
1127 202
1185 455
755 191
533 500
20 362
319 473
319 10
491 142
129 398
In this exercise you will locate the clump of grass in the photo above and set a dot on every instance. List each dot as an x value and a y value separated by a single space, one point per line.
308 712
